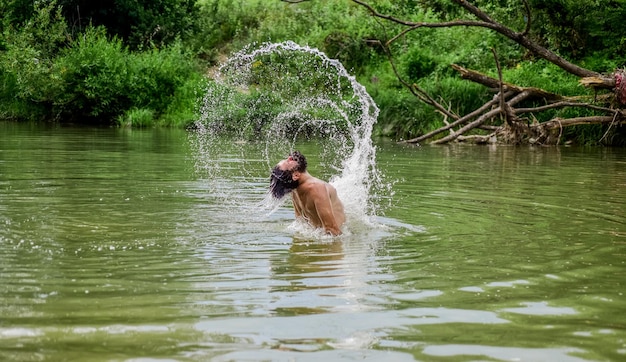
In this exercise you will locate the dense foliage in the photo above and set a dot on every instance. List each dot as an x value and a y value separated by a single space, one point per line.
140 23
92 78
144 62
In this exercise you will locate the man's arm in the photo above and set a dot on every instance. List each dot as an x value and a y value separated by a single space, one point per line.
296 206
324 209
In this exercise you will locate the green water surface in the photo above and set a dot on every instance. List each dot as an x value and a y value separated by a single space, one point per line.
115 247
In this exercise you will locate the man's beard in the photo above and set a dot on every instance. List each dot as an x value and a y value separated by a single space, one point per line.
281 182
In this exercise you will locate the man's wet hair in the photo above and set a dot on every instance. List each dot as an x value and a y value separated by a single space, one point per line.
300 160
281 182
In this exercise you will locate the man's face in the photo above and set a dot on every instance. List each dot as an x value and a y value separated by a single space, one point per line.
281 178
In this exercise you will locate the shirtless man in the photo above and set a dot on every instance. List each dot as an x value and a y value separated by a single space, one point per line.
314 200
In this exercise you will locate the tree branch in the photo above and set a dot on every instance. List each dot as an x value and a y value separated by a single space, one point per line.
490 82
503 108
564 104
515 129
416 90
487 22
560 122
459 121
520 97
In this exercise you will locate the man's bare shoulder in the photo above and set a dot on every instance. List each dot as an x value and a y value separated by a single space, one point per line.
316 186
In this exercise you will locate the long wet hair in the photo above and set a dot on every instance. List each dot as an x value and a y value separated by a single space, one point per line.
281 181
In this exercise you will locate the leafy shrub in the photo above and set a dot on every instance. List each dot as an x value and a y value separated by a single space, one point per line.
136 118
140 24
104 80
97 77
160 78
27 80
417 64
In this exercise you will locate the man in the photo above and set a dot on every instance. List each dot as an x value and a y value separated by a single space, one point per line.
314 200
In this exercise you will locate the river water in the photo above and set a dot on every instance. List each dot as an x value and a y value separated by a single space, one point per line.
113 247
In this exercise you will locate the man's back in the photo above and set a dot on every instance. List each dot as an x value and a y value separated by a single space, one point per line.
316 201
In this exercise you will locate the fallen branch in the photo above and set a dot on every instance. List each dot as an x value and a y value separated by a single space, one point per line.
563 105
494 83
503 108
560 122
459 121
514 129
494 112
479 139
598 82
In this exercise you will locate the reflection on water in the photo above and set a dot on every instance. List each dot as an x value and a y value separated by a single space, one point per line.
112 248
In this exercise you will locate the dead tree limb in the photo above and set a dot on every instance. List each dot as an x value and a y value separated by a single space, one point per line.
598 82
507 96
560 122
506 112
482 119
563 105
515 131
459 121
491 82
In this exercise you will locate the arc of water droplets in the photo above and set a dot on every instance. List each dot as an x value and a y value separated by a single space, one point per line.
358 173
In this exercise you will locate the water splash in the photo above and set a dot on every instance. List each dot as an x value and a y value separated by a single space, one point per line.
269 100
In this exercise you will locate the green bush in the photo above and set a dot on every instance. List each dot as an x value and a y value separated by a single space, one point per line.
104 80
136 118
141 24
82 74
27 80
164 80
45 74
97 75
94 79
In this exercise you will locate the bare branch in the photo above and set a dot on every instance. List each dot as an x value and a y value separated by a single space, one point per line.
487 127
560 122
487 22
563 105
609 128
598 82
479 121
505 114
459 121
482 119
523 40
416 90
490 82
478 139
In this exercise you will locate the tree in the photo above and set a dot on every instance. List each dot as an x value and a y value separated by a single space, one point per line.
511 116
139 23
